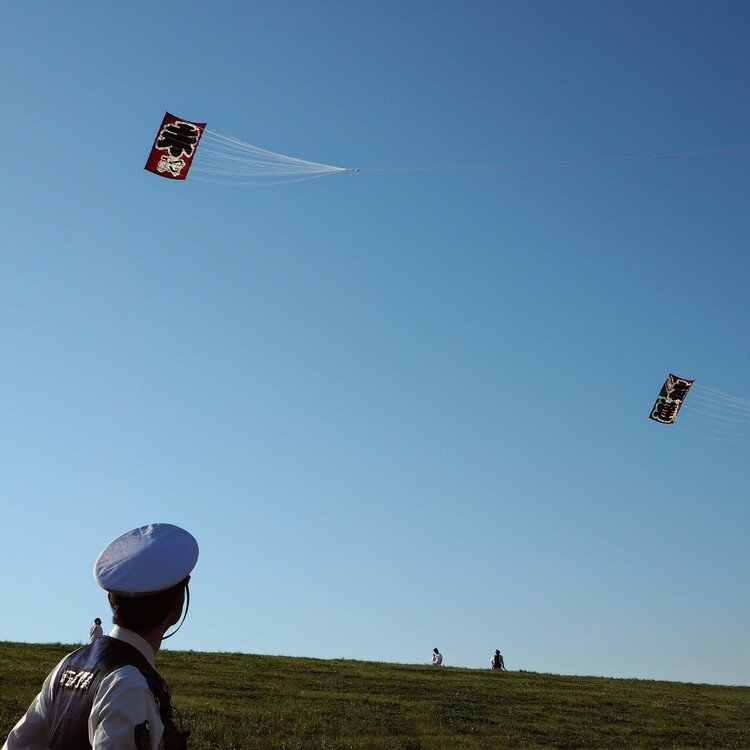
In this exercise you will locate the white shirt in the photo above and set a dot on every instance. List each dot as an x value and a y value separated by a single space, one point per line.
122 702
95 632
437 659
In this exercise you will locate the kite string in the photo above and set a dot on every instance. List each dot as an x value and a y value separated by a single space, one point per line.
250 147
717 416
720 395
259 183
223 157
724 407
721 417
559 163
714 434
219 149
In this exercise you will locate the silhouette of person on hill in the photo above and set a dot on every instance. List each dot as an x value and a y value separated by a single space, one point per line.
437 658
497 661
96 630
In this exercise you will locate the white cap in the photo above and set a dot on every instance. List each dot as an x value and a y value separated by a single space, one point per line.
146 560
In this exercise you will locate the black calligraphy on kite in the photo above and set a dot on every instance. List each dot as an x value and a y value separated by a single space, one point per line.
670 399
174 147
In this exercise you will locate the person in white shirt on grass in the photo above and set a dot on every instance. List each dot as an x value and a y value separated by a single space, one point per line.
437 658
108 695
96 630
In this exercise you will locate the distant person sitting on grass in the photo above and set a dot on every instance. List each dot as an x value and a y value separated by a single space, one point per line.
437 658
497 660
96 630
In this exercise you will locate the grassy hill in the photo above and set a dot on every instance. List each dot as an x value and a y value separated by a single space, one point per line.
239 701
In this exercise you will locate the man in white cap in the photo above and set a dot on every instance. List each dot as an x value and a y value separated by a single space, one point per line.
108 695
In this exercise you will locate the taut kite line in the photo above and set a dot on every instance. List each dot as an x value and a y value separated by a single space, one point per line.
223 159
231 161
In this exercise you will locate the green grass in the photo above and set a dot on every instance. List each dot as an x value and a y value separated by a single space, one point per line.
241 701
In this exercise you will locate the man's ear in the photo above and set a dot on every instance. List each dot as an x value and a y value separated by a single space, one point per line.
179 604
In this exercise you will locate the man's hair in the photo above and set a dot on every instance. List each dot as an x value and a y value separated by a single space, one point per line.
143 613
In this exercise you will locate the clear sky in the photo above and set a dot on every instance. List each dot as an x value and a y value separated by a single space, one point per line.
397 410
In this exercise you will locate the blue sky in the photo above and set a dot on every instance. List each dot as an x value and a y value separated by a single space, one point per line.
398 410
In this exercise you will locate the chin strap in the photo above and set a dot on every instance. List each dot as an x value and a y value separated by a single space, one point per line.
187 607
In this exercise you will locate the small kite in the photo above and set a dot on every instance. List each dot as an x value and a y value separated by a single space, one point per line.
670 399
174 147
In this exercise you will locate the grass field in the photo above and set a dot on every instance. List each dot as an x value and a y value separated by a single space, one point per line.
238 701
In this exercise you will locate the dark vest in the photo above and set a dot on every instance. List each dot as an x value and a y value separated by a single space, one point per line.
78 681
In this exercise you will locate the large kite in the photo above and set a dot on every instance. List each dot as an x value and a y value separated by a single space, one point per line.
670 399
224 159
174 147
714 414
233 162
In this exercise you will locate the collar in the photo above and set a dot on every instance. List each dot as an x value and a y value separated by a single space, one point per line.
128 636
